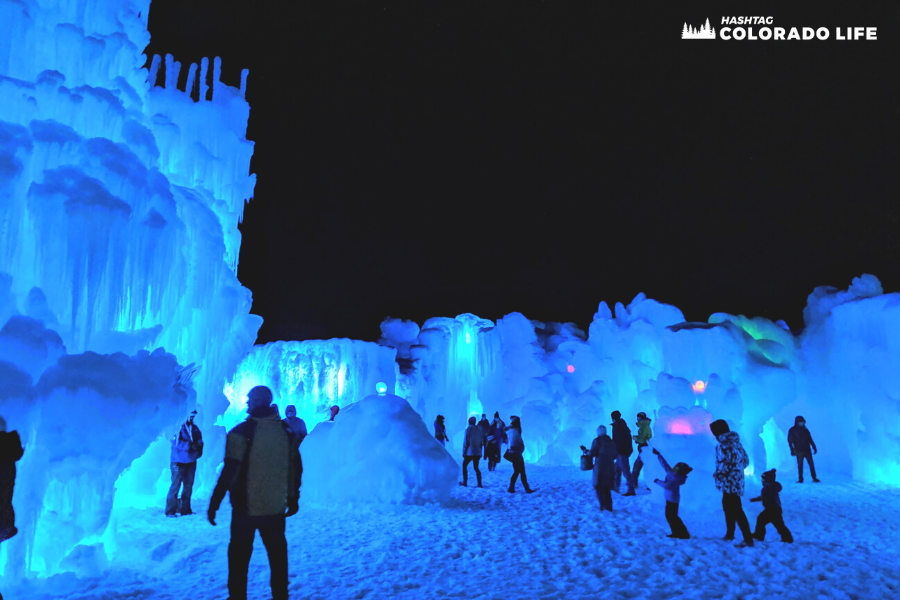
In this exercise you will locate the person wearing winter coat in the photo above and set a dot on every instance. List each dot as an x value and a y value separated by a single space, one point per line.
514 454
642 439
603 451
731 460
11 451
440 431
485 426
801 442
472 447
187 447
675 478
297 425
771 509
494 440
622 438
334 410
262 475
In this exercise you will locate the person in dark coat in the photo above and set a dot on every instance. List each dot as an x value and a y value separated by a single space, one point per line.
296 424
440 430
485 427
472 446
771 509
731 460
494 440
675 478
187 447
622 438
603 451
11 451
802 446
261 474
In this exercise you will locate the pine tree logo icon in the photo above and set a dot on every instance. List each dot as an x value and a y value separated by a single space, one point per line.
704 33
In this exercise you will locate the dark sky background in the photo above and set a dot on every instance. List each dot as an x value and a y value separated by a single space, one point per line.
420 159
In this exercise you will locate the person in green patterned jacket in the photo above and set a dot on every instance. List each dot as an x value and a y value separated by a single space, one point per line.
642 439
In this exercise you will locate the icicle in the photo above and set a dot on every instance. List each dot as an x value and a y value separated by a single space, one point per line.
192 75
171 76
154 70
217 77
204 87
244 75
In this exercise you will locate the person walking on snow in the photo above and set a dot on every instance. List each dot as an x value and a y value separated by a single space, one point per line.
771 509
262 475
485 427
642 439
440 431
603 451
514 454
11 451
731 460
187 447
800 441
296 425
622 438
675 478
472 446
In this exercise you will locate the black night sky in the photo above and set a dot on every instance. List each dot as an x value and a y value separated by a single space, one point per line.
420 159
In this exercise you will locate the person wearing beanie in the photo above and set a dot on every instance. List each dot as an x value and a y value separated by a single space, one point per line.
675 478
731 460
440 431
801 442
11 451
642 439
262 475
621 436
603 451
187 447
771 509
514 454
472 445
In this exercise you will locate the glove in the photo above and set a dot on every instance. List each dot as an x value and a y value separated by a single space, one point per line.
211 515
815 451
293 507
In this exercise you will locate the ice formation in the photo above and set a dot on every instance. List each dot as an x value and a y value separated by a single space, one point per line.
120 196
376 450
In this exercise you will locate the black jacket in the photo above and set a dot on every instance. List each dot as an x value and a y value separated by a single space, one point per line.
622 438
10 451
800 439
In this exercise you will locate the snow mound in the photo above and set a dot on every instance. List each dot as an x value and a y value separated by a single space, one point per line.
376 450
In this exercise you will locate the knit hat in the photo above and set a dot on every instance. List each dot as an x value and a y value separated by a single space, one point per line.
719 427
258 397
682 469
642 415
769 475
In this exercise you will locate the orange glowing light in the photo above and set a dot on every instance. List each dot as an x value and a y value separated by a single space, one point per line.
570 368
699 387
681 427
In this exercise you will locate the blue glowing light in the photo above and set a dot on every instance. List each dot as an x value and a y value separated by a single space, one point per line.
381 388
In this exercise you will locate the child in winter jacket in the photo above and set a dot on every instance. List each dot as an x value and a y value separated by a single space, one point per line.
771 509
675 478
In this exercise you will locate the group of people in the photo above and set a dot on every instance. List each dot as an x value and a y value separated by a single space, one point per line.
484 439
610 462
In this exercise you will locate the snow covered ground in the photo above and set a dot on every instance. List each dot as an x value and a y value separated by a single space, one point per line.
490 544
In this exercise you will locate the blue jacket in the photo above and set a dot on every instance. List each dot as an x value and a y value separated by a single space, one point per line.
187 445
672 484
297 426
473 445
769 495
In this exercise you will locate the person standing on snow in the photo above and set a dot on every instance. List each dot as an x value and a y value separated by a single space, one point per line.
334 411
440 430
622 438
472 446
675 478
187 447
262 474
771 509
485 427
642 439
800 440
731 460
11 451
494 439
603 451
296 425
514 454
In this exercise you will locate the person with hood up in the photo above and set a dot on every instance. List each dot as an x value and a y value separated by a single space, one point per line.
11 451
472 445
187 447
642 439
622 438
440 431
771 509
800 440
731 460
297 425
675 478
485 426
514 454
262 474
603 451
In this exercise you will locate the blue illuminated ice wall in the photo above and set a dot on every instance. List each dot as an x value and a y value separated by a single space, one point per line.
840 374
120 196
